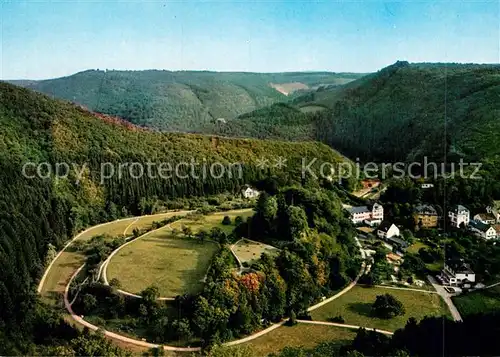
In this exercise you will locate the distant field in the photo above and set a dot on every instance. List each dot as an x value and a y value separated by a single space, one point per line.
481 301
311 108
249 251
355 307
212 220
300 335
176 265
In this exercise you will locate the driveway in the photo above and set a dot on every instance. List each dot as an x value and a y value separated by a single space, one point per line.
446 297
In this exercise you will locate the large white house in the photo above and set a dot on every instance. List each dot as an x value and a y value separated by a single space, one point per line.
250 193
482 229
458 215
457 272
370 216
387 230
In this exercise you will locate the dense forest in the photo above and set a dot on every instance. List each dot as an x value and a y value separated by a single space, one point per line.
43 211
179 101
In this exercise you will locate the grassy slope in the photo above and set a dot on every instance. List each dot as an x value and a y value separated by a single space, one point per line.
176 265
355 307
69 261
482 301
301 335
185 100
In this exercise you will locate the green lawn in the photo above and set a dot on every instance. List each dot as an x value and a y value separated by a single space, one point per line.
415 247
175 265
69 261
249 251
355 307
197 223
481 301
300 335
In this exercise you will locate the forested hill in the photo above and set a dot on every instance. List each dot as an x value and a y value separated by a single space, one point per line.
183 100
396 114
407 110
38 212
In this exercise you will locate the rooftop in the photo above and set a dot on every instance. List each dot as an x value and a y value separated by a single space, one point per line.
426 209
479 225
359 209
459 266
458 208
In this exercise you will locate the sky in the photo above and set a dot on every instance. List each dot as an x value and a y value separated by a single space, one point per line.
48 39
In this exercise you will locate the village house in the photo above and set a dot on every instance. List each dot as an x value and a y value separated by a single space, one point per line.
459 215
457 273
249 192
482 229
425 216
494 210
387 230
370 216
486 218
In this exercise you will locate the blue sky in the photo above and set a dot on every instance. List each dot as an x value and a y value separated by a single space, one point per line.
47 39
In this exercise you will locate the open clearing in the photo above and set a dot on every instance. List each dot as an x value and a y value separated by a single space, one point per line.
355 307
300 335
481 301
175 265
69 261
249 251
207 222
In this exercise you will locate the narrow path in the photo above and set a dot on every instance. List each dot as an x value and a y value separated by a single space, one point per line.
353 327
491 286
407 289
447 298
128 227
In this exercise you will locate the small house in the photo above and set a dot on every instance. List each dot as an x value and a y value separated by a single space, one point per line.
425 216
482 230
387 230
486 218
249 192
457 273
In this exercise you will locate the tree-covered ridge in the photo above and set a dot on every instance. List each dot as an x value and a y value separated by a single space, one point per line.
402 112
177 101
41 213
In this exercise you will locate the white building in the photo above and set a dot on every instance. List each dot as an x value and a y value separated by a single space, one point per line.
458 215
387 230
457 272
482 229
250 193
372 216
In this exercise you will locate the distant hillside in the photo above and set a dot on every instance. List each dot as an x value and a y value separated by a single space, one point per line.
183 100
396 114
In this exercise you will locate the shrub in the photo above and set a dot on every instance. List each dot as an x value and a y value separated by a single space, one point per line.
387 306
226 221
338 319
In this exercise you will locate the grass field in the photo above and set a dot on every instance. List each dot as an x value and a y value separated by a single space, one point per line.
249 251
415 247
209 221
481 301
175 265
300 335
355 307
69 261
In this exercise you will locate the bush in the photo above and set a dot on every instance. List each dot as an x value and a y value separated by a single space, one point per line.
238 220
387 306
226 221
293 319
337 319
